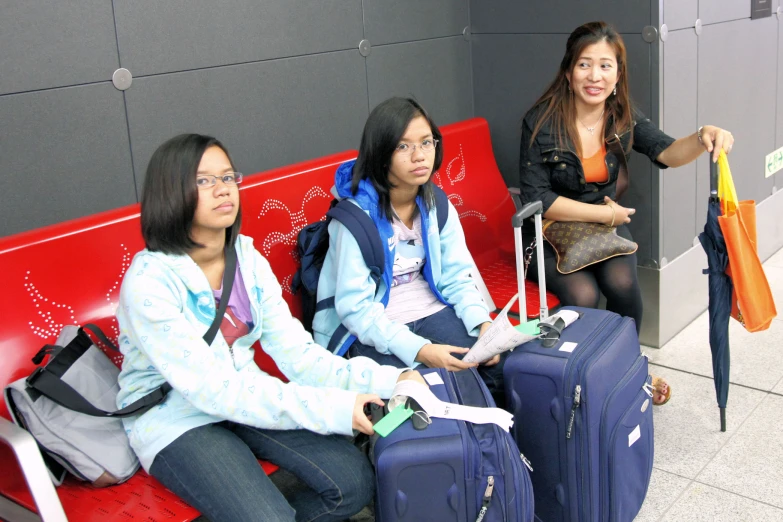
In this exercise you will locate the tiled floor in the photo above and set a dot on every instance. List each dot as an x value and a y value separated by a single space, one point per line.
699 472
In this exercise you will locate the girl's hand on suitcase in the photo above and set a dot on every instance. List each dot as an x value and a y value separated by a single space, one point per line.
412 375
439 356
622 215
361 421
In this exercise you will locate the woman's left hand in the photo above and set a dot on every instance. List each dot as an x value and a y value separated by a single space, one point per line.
714 139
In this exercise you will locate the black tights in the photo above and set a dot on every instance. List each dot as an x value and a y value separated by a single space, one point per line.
616 278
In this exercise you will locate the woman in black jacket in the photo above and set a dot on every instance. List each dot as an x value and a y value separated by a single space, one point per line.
567 162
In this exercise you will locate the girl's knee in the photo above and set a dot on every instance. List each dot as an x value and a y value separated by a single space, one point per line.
586 297
356 487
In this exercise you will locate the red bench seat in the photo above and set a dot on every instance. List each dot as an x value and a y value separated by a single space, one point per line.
70 273
475 186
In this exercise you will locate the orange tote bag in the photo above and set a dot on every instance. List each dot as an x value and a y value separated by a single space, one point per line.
751 301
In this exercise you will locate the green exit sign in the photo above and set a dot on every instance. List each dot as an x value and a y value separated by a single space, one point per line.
774 162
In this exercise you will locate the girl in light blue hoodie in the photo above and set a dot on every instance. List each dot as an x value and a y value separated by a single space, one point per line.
223 412
426 308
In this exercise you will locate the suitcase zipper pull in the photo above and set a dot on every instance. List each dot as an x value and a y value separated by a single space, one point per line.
487 498
577 401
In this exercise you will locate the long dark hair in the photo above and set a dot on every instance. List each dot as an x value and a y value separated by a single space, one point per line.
382 133
557 103
170 195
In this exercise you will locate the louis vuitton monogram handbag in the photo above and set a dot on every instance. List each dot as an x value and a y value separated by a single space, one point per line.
578 244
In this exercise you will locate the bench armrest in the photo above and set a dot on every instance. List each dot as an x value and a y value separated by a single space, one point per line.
35 473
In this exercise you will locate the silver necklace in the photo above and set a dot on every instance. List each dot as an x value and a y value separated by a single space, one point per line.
591 130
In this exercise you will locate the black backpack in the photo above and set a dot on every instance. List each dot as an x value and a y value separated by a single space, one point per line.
312 243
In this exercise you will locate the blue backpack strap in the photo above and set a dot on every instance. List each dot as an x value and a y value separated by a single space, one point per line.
441 206
364 231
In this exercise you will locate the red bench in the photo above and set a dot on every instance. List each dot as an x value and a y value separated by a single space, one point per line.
70 273
470 176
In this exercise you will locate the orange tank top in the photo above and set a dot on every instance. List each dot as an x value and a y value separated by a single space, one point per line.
595 167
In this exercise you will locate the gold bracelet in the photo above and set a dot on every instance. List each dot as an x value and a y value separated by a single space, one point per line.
613 216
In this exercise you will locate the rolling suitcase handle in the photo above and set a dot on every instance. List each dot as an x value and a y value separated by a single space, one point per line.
536 209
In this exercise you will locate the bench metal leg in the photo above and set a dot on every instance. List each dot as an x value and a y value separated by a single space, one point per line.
35 473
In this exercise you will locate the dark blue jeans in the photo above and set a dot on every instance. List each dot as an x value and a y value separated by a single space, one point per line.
215 469
443 327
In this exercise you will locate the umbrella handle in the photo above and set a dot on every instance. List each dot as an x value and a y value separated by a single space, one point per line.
713 180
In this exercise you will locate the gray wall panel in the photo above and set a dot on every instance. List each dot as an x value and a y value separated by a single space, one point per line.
742 101
556 16
642 194
178 35
713 11
404 20
504 88
678 14
268 114
779 134
67 156
48 44
680 85
435 72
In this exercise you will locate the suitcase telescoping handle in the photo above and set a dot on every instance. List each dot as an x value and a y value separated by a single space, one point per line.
531 209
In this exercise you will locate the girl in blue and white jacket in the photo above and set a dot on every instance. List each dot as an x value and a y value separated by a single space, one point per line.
223 412
426 308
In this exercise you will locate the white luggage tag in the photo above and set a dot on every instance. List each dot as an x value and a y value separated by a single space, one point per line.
553 326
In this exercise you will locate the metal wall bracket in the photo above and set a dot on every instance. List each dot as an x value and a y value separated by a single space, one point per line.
664 32
466 32
649 34
122 79
365 48
697 27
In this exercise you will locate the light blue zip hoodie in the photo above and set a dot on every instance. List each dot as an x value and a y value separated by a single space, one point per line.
166 306
357 305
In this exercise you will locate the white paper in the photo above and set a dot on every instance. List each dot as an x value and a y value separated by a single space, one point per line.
568 317
500 337
433 378
437 408
634 436
568 347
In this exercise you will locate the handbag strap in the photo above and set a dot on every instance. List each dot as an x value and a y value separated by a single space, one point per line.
50 384
228 283
615 146
47 380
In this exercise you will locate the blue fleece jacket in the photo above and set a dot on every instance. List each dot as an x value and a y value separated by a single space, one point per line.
166 306
357 304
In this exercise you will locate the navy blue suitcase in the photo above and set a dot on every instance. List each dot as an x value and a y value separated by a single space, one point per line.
583 417
444 472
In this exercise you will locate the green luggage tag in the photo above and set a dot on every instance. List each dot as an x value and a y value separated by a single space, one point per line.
392 420
529 328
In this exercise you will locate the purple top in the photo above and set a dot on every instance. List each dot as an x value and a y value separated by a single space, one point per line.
238 320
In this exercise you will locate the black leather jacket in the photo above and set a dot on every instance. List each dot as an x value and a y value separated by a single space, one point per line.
546 171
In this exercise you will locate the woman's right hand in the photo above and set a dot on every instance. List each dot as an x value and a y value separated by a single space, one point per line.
439 356
360 420
622 215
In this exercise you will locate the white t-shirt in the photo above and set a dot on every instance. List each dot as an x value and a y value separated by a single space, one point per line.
411 297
